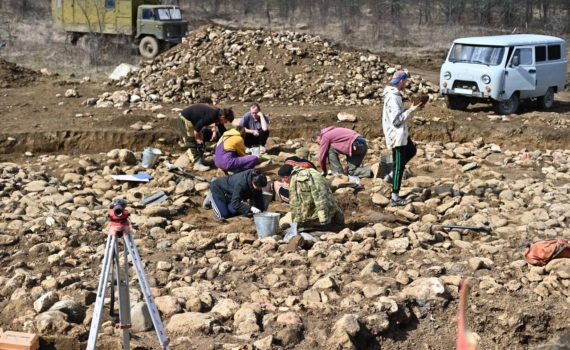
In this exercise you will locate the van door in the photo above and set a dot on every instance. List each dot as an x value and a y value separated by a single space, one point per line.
520 74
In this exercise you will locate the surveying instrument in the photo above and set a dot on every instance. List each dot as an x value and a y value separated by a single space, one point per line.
119 228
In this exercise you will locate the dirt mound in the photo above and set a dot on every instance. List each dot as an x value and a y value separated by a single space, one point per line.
233 65
12 75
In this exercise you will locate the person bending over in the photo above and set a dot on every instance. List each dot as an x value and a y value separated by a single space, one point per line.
228 195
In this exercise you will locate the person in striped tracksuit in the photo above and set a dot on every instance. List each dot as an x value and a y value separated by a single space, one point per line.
394 118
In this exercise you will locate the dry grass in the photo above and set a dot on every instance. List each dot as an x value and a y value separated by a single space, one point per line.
36 45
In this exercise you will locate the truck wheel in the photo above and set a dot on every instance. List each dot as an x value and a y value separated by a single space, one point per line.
149 47
508 106
457 102
546 101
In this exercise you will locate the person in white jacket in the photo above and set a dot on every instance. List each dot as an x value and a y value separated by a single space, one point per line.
394 118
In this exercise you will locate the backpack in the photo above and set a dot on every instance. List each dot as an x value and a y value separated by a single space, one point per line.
541 252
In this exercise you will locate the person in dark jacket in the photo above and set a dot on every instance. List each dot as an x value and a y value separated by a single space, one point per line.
228 194
195 119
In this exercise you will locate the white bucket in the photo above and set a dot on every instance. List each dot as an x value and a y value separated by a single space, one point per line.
266 224
150 157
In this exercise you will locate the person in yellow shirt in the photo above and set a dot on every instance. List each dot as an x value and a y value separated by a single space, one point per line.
230 152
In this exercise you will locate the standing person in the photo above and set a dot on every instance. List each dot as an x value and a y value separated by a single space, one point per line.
394 118
300 160
230 152
334 141
195 119
256 126
311 198
228 194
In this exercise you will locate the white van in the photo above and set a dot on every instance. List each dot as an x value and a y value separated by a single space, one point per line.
504 70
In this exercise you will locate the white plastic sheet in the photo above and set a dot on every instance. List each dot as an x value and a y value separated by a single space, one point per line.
122 71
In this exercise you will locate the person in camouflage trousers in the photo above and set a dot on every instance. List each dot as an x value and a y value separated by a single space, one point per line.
311 198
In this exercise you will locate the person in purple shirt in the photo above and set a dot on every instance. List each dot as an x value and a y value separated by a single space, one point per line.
335 141
256 126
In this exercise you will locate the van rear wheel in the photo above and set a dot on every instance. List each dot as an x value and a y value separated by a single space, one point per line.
149 47
457 102
546 101
508 106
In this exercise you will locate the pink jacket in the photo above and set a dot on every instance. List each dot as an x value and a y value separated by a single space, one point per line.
339 138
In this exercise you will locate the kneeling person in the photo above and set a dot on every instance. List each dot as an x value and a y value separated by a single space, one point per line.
311 199
228 194
230 152
300 159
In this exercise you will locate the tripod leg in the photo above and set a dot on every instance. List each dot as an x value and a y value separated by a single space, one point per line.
145 288
100 301
124 296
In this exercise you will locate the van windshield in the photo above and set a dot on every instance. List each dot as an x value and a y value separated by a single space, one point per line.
166 14
489 55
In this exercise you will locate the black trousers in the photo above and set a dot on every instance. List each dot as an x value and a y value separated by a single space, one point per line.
261 140
401 156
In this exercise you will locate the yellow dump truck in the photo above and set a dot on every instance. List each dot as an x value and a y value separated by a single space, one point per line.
148 23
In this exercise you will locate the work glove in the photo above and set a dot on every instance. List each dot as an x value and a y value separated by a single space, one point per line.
413 107
255 210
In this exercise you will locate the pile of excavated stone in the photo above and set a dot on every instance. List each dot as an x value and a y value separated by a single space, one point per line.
219 283
256 65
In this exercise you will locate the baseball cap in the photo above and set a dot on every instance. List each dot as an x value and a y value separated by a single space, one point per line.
398 76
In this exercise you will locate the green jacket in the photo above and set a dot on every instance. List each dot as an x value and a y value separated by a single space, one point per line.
311 198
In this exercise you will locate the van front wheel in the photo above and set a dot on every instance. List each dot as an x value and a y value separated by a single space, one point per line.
508 106
546 101
457 102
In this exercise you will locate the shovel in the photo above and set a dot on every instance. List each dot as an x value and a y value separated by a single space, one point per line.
172 167
474 228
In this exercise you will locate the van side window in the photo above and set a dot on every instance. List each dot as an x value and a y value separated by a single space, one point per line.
525 56
540 54
554 52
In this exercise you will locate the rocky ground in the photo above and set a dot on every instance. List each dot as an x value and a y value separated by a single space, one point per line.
388 280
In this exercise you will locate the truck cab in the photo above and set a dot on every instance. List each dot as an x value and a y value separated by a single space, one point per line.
156 23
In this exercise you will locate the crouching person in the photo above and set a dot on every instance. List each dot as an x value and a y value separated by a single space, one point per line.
228 194
310 197
230 152
300 159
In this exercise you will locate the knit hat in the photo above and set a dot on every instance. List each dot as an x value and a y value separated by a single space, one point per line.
285 170
302 153
398 76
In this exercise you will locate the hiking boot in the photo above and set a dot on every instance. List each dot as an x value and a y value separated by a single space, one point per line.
406 175
399 202
388 179
207 203
207 162
261 150
248 150
198 166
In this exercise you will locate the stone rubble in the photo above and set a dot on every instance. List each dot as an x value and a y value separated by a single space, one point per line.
256 65
347 289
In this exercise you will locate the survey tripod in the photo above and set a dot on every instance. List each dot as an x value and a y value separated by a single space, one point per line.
119 228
